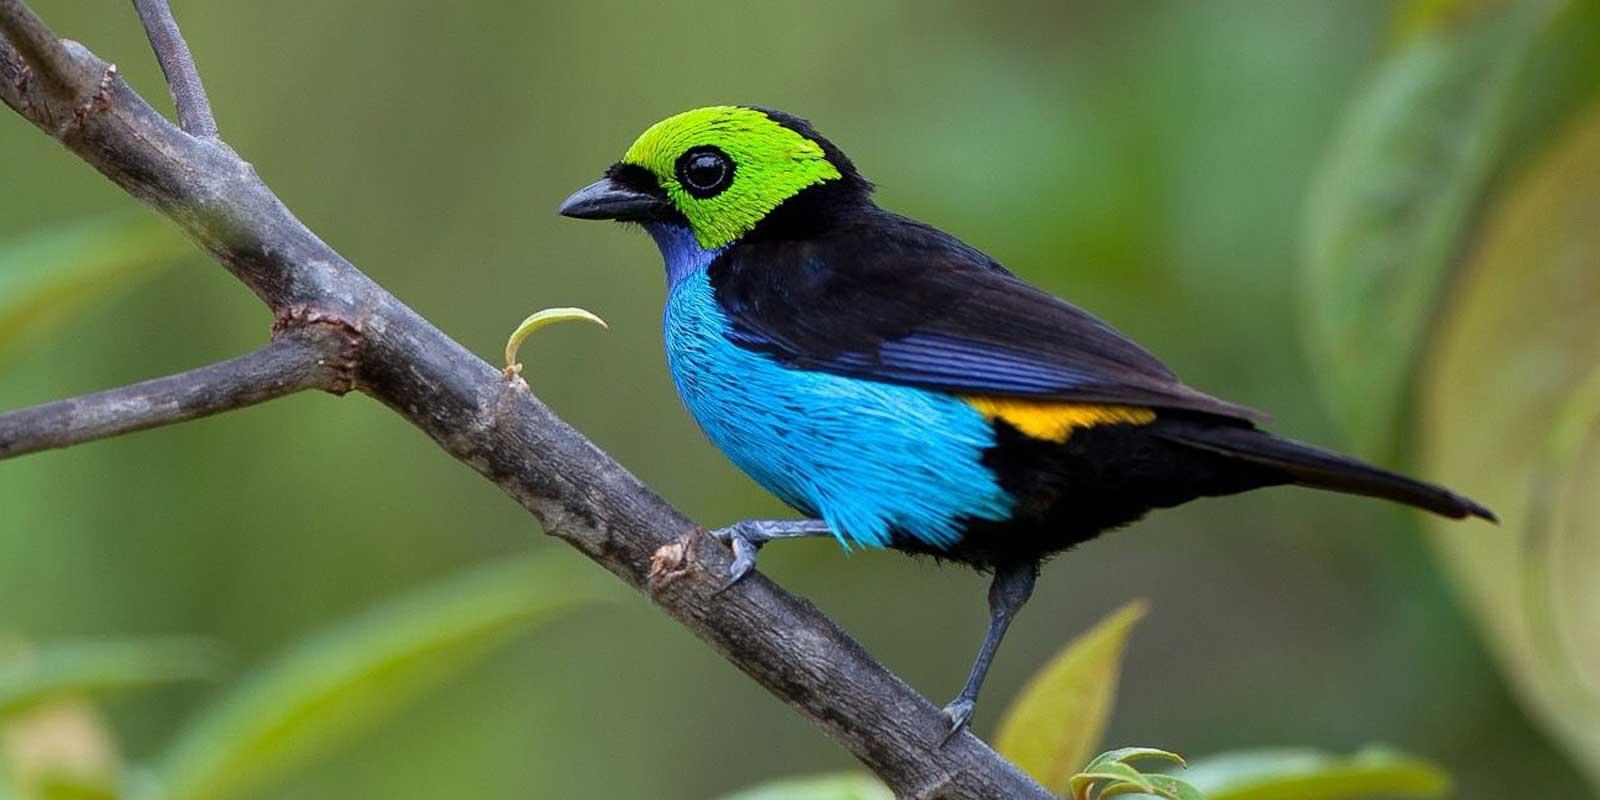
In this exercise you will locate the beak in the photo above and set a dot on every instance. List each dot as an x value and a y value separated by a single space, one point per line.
607 199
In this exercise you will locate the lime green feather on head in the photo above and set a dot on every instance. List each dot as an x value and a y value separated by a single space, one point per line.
772 163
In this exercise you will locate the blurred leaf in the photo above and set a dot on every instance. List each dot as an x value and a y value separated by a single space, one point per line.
1418 18
335 685
49 275
1559 82
72 787
1390 209
1296 774
31 677
1511 414
1111 774
1058 718
61 750
846 786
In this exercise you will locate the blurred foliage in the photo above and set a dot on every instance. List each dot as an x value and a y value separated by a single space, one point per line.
341 682
1429 278
49 275
1293 774
322 694
59 750
1513 408
1149 160
1399 189
1055 723
33 676
1052 726
821 787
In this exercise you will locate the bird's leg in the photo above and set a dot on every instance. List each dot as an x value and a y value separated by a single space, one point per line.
747 537
1013 584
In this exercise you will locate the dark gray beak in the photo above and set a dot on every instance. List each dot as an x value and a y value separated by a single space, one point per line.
606 199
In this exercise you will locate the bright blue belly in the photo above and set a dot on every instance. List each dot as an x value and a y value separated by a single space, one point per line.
869 458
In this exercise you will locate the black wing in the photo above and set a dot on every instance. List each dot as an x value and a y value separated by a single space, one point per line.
889 299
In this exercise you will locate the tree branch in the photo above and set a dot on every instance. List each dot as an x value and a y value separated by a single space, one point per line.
172 52
307 358
501 430
64 74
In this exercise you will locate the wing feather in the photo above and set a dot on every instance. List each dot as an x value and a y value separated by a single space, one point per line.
890 299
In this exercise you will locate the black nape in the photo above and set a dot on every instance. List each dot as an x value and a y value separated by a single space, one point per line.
851 177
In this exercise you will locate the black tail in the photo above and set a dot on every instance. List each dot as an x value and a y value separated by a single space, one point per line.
1312 466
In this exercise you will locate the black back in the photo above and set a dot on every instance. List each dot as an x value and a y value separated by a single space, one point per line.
831 282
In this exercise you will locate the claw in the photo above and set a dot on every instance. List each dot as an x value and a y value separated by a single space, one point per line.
744 555
747 537
744 559
958 712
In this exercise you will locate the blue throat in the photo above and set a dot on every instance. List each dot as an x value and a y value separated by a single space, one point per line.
874 460
680 250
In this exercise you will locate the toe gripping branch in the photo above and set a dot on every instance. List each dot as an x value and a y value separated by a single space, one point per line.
746 538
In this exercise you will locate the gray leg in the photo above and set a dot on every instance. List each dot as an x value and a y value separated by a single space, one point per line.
1013 584
747 537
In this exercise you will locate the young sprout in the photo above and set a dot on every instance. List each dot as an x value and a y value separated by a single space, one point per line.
537 320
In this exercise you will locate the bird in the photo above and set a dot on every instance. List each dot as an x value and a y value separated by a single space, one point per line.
901 389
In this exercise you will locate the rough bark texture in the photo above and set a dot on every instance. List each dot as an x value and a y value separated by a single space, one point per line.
379 346
305 358
183 79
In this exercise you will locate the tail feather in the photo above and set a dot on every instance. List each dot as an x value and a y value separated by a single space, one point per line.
1323 469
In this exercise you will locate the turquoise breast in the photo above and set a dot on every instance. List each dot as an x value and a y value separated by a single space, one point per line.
871 459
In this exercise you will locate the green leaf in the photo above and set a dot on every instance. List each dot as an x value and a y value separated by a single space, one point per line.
844 786
1170 787
1058 718
1125 754
32 677
1394 200
1511 415
1111 775
50 275
1297 774
335 685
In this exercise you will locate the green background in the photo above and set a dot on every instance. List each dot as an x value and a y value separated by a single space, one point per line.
1148 160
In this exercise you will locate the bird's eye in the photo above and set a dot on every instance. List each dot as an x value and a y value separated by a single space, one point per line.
705 171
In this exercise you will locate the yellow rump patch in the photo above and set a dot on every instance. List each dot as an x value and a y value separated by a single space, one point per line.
1053 420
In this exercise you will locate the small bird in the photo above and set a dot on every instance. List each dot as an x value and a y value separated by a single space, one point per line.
900 388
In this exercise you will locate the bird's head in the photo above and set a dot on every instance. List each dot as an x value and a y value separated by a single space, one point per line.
720 173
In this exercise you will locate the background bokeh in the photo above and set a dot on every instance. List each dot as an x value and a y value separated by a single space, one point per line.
1148 160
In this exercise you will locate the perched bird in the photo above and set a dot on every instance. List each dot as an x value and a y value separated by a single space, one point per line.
900 388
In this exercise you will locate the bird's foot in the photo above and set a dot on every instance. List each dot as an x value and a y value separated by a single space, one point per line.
747 537
738 536
958 712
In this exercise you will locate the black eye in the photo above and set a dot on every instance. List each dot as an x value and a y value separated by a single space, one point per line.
705 171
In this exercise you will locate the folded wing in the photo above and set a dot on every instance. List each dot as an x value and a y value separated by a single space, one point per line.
889 299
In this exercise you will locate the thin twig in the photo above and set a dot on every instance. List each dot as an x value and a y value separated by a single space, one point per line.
501 430
307 358
67 77
172 51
